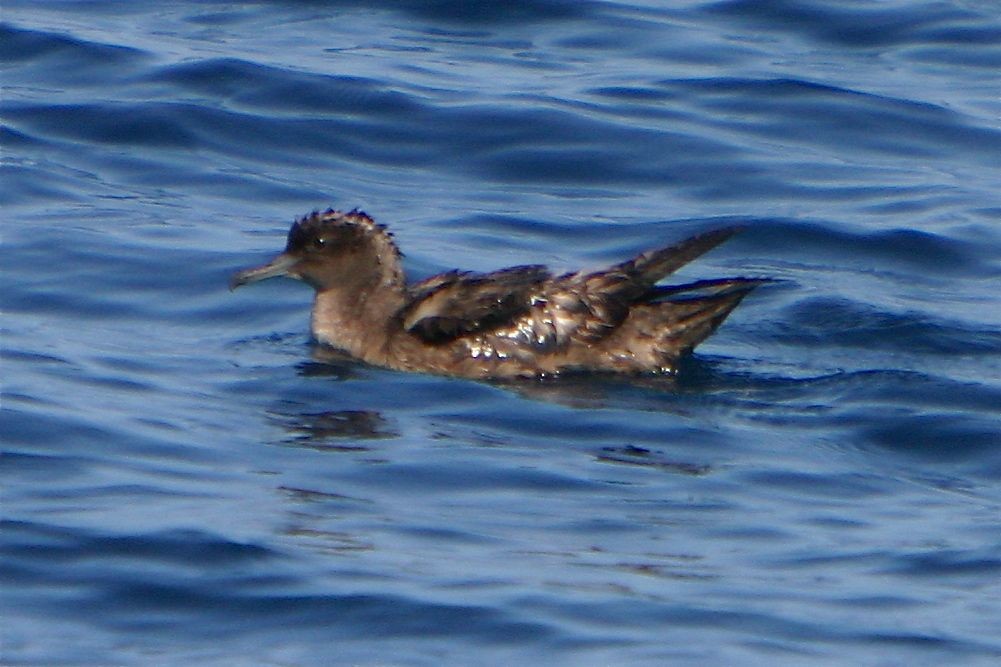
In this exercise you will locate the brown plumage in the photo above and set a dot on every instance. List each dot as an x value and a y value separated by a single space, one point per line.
516 322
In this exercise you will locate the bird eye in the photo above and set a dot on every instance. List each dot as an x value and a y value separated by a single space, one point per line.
319 242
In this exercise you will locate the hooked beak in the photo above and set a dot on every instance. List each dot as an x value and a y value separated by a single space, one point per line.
279 266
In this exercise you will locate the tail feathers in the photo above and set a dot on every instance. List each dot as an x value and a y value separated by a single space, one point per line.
691 320
701 288
653 265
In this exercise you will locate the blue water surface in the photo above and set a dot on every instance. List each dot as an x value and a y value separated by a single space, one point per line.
188 480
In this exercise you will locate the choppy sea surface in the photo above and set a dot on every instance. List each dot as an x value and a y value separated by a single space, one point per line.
186 481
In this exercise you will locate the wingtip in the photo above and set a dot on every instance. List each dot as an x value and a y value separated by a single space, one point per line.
722 233
654 265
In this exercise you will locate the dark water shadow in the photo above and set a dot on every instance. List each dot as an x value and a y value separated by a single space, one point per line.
328 362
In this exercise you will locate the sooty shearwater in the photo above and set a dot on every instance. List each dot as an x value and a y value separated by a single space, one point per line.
521 321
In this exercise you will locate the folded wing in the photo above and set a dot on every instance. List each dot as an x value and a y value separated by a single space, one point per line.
454 304
528 304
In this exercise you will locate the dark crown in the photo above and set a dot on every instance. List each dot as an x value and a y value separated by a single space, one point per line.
316 222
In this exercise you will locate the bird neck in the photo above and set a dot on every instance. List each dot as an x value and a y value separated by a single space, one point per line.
359 319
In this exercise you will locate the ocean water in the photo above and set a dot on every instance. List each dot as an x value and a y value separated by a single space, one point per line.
186 479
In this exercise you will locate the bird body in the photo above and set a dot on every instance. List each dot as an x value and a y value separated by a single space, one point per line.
521 321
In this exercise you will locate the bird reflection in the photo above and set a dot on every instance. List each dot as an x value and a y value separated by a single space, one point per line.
654 392
336 430
646 458
586 390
